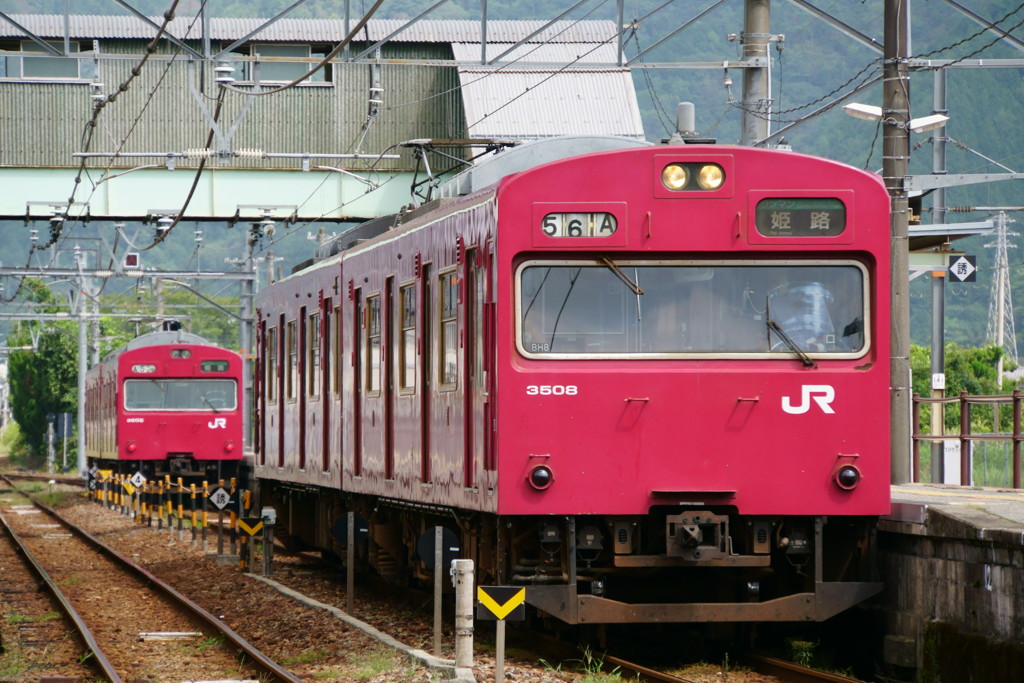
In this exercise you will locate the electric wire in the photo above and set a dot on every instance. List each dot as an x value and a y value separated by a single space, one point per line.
973 36
56 227
323 62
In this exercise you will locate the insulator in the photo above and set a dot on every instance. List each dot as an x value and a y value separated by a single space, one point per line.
198 153
250 153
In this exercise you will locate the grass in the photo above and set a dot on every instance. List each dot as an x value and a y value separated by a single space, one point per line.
374 661
307 657
591 666
204 645
12 665
16 618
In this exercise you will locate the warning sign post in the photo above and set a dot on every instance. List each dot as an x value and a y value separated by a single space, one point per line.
501 603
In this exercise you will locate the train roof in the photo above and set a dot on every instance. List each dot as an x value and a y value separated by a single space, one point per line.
163 338
489 170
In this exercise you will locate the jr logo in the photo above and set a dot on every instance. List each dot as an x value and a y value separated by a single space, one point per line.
218 423
822 394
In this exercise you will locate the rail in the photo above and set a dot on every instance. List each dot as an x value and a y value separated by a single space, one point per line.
269 669
966 437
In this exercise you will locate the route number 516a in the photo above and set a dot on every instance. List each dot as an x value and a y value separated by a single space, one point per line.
552 390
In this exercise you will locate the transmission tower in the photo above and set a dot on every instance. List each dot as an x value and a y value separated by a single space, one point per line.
1000 309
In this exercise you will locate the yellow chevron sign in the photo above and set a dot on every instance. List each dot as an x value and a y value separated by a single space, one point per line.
250 525
502 602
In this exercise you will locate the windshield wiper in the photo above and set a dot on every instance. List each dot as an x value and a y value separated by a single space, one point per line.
804 358
207 402
622 276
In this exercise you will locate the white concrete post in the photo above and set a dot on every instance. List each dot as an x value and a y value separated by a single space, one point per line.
462 579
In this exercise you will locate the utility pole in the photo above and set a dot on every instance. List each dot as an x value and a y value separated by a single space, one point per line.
756 95
245 336
895 158
938 355
83 360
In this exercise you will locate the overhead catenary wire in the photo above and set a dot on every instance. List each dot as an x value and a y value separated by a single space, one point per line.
323 62
56 227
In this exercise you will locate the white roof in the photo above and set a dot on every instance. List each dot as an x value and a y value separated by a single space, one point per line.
563 92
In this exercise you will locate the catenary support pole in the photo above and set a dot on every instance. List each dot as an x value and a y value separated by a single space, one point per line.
756 95
938 355
895 158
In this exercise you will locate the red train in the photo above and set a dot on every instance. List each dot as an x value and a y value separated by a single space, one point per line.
167 403
650 384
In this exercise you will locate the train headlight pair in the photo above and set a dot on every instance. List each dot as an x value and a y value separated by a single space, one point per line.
678 177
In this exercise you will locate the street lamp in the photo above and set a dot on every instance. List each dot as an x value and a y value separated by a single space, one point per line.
870 112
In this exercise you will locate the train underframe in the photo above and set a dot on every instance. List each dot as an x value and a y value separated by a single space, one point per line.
706 565
190 470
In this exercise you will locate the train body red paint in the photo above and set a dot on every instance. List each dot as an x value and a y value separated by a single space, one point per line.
650 384
167 403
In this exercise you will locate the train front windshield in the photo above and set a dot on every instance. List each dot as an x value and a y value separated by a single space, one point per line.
735 309
209 395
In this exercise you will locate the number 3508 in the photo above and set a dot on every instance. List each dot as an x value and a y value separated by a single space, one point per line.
552 390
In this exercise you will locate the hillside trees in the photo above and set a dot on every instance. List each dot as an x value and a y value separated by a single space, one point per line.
43 378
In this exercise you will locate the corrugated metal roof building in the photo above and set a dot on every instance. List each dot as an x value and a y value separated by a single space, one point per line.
427 81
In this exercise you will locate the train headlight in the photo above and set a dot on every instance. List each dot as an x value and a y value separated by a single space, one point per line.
540 477
675 176
131 447
710 177
847 477
229 446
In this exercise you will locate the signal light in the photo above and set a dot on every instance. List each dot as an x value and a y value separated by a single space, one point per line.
847 477
541 477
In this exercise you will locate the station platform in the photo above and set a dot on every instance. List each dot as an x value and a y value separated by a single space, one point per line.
952 562
992 514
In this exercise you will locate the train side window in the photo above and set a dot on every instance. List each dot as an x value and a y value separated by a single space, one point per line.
373 343
271 378
313 355
448 365
292 343
407 344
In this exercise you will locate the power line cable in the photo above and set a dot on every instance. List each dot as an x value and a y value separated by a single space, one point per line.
56 226
323 62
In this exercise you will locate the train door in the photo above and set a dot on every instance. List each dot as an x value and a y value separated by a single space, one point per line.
473 393
388 368
325 383
282 398
300 390
426 368
314 375
357 384
337 379
486 284
259 390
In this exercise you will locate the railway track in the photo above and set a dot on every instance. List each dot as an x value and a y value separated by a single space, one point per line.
129 624
777 669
